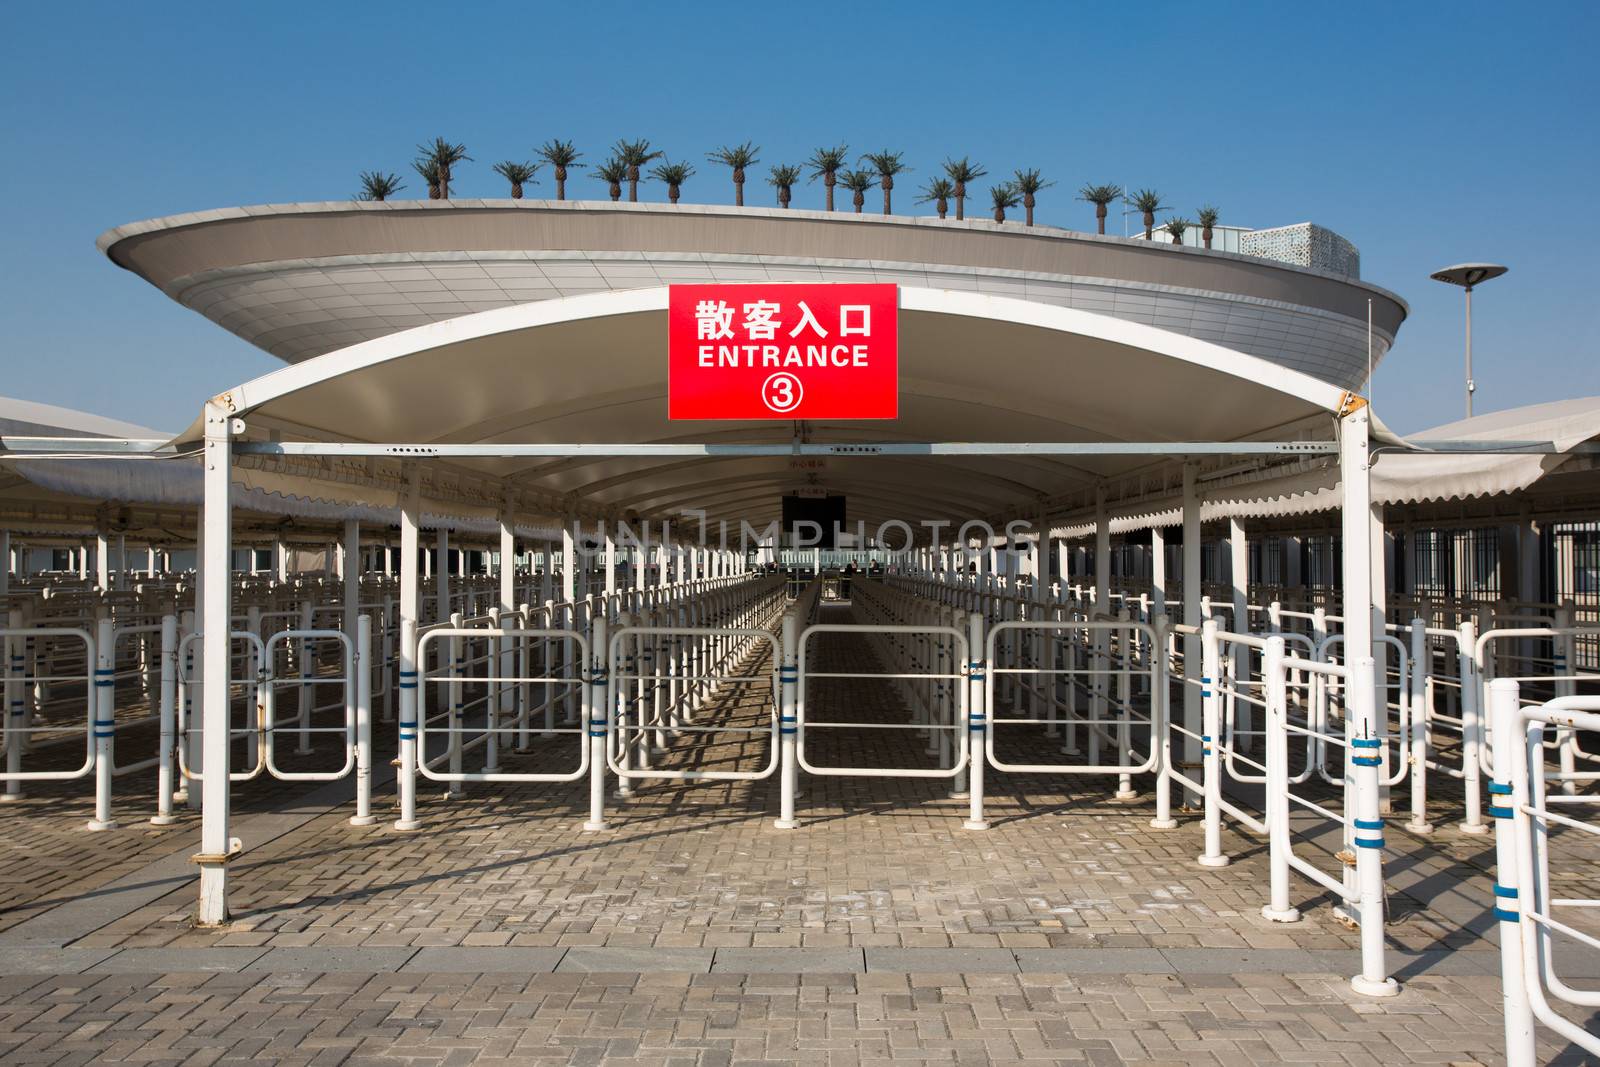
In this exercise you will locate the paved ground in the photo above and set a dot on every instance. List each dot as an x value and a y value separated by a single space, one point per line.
694 932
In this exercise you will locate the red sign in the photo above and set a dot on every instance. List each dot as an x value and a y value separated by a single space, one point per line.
783 351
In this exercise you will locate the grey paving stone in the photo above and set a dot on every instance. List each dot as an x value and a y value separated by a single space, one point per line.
637 960
324 959
464 960
51 960
1093 961
176 960
789 961
942 960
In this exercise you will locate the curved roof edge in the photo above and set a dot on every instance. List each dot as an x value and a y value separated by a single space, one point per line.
244 398
66 422
107 241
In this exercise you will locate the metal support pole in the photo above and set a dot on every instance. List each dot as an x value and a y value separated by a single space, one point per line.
1192 591
1509 787
978 711
361 665
1210 749
1275 691
1367 762
598 703
105 723
166 757
216 846
406 776
788 687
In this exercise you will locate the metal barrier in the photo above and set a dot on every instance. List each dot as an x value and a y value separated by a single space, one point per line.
1526 819
23 703
451 677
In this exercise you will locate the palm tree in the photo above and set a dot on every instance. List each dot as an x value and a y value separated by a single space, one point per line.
784 175
1207 218
1148 201
858 182
446 155
938 192
518 174
826 163
613 172
560 155
961 171
430 173
1028 183
738 157
1005 196
378 185
673 175
1176 228
1100 196
635 154
887 164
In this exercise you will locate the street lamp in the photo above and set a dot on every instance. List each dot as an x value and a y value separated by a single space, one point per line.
1468 275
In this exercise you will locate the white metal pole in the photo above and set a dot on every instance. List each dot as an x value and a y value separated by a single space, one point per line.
105 722
441 574
1366 763
973 704
406 776
361 665
1239 578
1192 591
598 702
788 685
216 847
168 712
1510 787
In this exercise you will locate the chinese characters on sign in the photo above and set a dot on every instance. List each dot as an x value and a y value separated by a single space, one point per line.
780 351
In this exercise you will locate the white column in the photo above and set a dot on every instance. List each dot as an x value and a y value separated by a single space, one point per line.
1102 554
1193 669
102 560
441 574
280 559
351 551
410 617
611 561
569 562
215 624
1158 571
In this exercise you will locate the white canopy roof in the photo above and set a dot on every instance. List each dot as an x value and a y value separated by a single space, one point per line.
592 369
1399 477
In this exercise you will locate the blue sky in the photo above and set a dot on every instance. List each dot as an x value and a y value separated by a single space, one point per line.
1427 134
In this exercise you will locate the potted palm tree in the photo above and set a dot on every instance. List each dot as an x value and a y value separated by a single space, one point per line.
858 182
784 175
1100 196
1005 197
960 172
1207 219
428 169
518 174
378 185
938 192
673 175
887 164
737 158
613 172
1028 183
635 154
1148 202
826 163
1176 228
560 155
446 155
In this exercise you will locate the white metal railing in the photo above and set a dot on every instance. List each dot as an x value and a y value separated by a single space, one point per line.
1528 818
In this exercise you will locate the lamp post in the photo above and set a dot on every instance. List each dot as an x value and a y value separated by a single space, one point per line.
1468 275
